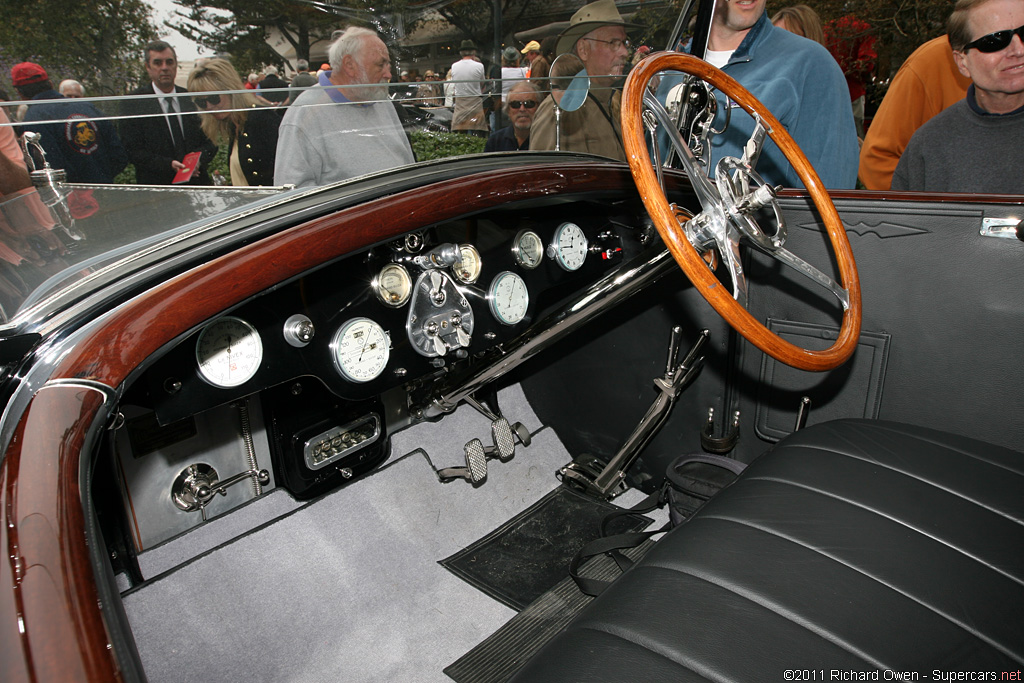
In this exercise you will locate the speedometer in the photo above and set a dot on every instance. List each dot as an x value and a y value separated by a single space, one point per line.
508 298
569 248
361 349
229 352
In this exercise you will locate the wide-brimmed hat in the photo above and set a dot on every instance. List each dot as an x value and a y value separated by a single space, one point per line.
532 46
589 18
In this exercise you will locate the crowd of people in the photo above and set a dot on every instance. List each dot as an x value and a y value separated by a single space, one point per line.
950 121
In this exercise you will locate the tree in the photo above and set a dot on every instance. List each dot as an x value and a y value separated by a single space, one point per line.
239 27
97 42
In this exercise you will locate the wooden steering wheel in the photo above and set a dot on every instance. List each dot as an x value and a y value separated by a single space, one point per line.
728 203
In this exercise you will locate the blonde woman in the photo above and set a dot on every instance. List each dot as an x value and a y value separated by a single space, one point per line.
237 118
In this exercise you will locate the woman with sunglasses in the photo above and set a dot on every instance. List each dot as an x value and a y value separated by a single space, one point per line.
976 144
237 118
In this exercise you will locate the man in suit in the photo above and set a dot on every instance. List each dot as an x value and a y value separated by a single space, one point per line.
157 145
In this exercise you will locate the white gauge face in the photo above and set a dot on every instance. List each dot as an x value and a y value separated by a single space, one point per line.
361 349
528 250
393 285
229 352
508 298
467 270
570 246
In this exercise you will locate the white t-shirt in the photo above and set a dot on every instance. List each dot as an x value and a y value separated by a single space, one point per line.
510 75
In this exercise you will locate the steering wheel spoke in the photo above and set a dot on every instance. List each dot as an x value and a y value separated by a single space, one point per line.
731 207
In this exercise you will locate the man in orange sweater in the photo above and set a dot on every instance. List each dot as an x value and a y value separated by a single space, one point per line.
927 83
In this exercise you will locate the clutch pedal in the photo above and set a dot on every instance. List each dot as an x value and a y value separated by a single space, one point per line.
475 470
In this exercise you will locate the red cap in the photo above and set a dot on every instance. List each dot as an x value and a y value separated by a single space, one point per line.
27 73
325 67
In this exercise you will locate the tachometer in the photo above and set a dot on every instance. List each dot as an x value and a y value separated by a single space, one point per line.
229 351
569 248
361 349
393 285
528 249
508 298
467 270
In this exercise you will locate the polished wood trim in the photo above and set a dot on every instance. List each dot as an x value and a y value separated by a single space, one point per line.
51 628
705 281
152 319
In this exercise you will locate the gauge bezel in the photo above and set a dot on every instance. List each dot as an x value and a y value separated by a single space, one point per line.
339 334
491 297
558 253
408 285
457 270
251 333
517 250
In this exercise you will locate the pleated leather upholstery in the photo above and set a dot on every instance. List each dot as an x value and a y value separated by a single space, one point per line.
853 545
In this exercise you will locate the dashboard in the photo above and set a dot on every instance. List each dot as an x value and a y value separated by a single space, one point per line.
336 355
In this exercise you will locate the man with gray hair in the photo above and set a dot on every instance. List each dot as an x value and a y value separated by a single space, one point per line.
975 144
348 127
520 106
71 88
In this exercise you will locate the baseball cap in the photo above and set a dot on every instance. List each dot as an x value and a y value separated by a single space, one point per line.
26 73
532 46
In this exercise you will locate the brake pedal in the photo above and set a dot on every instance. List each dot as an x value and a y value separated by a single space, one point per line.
504 441
475 470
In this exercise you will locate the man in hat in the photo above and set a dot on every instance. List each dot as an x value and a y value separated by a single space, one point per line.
468 77
530 53
161 130
89 151
597 35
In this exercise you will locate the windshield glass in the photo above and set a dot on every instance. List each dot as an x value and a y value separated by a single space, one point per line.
51 240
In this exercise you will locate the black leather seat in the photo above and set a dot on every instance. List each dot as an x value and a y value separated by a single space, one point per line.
853 545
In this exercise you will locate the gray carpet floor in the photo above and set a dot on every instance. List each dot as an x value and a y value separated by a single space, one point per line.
347 588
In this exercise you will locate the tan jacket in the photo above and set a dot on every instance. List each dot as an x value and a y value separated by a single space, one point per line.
592 128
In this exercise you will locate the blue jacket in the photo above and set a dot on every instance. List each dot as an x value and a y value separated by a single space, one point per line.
89 151
802 85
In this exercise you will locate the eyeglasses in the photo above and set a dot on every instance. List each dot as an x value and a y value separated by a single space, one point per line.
529 104
994 42
616 43
207 101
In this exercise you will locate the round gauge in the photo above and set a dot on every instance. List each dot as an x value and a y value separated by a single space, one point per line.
361 350
569 248
393 285
467 270
229 351
528 249
508 298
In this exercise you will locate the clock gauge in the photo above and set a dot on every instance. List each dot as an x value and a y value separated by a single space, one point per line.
569 248
229 351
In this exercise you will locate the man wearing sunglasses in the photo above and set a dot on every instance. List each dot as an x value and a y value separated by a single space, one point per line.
975 145
520 107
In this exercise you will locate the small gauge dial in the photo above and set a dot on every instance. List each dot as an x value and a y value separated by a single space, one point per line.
393 285
569 248
528 250
361 349
229 351
508 298
467 270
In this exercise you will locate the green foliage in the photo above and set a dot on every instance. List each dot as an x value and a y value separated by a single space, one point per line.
431 145
94 41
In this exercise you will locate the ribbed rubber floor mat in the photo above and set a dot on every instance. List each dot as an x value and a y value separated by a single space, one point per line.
504 652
